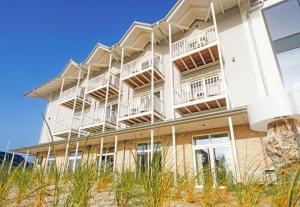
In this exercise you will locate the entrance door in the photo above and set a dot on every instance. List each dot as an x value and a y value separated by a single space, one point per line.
213 159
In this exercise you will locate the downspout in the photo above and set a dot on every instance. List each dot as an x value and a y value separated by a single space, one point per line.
259 5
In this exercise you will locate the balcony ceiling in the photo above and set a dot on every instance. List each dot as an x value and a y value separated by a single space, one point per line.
71 70
99 56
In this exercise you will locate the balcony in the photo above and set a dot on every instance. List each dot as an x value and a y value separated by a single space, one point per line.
199 96
138 110
196 51
63 127
97 86
137 73
95 125
67 98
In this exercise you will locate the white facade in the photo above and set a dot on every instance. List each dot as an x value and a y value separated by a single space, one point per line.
145 71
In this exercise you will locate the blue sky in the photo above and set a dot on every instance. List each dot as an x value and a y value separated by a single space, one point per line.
37 38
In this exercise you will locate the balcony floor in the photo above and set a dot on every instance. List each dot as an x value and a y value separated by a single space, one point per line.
197 59
98 127
100 93
202 105
65 134
142 78
140 118
69 103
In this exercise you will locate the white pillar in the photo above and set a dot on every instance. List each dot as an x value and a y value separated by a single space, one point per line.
171 71
26 159
234 152
100 156
120 87
84 97
174 154
47 159
107 89
75 159
152 96
57 108
73 113
11 162
115 154
226 89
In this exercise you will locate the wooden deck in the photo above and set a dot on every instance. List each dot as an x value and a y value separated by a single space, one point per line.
70 103
140 118
198 59
100 93
97 128
143 78
201 106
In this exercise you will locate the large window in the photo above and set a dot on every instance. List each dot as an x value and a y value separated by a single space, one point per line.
283 24
72 158
143 151
213 159
106 161
51 163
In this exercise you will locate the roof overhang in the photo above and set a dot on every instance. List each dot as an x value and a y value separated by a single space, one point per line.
196 122
99 56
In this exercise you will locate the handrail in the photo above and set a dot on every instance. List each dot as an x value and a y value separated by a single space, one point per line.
140 105
195 41
110 117
65 124
102 80
140 64
71 92
200 89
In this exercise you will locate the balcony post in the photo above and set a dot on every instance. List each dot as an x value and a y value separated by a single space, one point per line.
152 94
171 70
115 154
47 159
174 154
120 87
100 156
58 100
73 113
84 97
107 89
226 89
76 154
11 162
26 159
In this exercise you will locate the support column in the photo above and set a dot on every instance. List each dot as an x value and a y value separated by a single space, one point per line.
171 70
174 154
84 97
11 162
152 96
226 90
47 159
107 88
73 113
75 159
120 88
57 108
25 161
115 154
100 156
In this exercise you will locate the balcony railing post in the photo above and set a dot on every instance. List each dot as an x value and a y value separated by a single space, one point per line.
107 90
204 87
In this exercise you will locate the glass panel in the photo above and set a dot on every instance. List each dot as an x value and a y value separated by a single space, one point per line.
142 162
70 165
219 138
201 140
203 169
223 164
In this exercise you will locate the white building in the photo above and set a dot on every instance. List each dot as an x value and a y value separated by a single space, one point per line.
202 83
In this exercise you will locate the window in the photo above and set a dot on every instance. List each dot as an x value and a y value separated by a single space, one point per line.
282 21
213 160
51 163
72 158
106 161
144 154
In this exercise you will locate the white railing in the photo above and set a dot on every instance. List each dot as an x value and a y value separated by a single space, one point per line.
89 121
71 93
195 41
101 81
140 64
65 125
140 105
200 89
